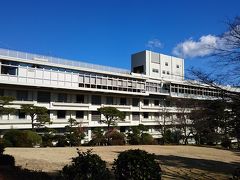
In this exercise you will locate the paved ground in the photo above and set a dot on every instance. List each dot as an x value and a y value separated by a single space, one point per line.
177 162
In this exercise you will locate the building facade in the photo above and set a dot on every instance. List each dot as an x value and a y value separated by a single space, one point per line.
76 89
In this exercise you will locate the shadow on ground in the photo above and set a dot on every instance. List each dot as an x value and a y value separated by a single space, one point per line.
178 167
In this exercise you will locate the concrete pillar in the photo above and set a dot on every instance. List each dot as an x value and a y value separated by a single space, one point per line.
89 134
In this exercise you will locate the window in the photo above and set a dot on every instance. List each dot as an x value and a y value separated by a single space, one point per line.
43 96
61 114
145 115
109 100
21 115
178 66
138 69
163 72
146 102
156 102
79 114
156 115
96 116
96 100
123 101
135 102
80 98
62 97
135 116
155 70
166 63
9 68
168 72
22 95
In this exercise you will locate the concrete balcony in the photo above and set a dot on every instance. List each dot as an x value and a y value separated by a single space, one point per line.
120 107
70 106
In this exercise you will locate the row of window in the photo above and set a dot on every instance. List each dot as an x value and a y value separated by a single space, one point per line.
164 72
44 96
61 114
194 90
11 68
156 71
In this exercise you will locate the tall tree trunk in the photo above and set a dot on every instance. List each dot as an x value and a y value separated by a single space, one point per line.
32 124
108 139
164 129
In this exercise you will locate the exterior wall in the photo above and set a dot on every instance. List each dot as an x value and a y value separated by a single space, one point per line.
33 76
159 66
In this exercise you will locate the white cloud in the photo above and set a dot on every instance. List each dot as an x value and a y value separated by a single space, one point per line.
154 43
203 47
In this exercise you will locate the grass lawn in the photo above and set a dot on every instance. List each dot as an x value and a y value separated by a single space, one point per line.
177 162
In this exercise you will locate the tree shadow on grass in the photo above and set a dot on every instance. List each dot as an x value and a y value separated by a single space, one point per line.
196 167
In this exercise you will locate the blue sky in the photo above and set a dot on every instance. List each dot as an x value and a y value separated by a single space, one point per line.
108 32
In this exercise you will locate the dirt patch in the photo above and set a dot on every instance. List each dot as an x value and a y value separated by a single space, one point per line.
177 162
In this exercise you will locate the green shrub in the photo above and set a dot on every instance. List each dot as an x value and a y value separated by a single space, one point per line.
21 138
138 135
115 137
31 138
7 160
74 139
136 164
147 139
47 140
172 137
133 139
10 138
236 174
98 138
86 166
61 141
226 142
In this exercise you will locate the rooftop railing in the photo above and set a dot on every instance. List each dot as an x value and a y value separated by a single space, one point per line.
50 59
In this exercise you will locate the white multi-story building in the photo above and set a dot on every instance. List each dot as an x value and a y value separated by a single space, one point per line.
76 89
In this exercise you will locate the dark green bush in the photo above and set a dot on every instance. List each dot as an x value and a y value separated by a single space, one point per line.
98 138
133 139
31 138
226 142
10 138
47 140
136 164
236 174
21 138
61 141
86 166
115 137
138 135
147 139
7 160
172 137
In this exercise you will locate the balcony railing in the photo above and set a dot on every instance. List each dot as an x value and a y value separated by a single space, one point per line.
50 59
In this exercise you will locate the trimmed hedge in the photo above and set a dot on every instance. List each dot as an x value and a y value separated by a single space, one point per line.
86 166
21 138
136 165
